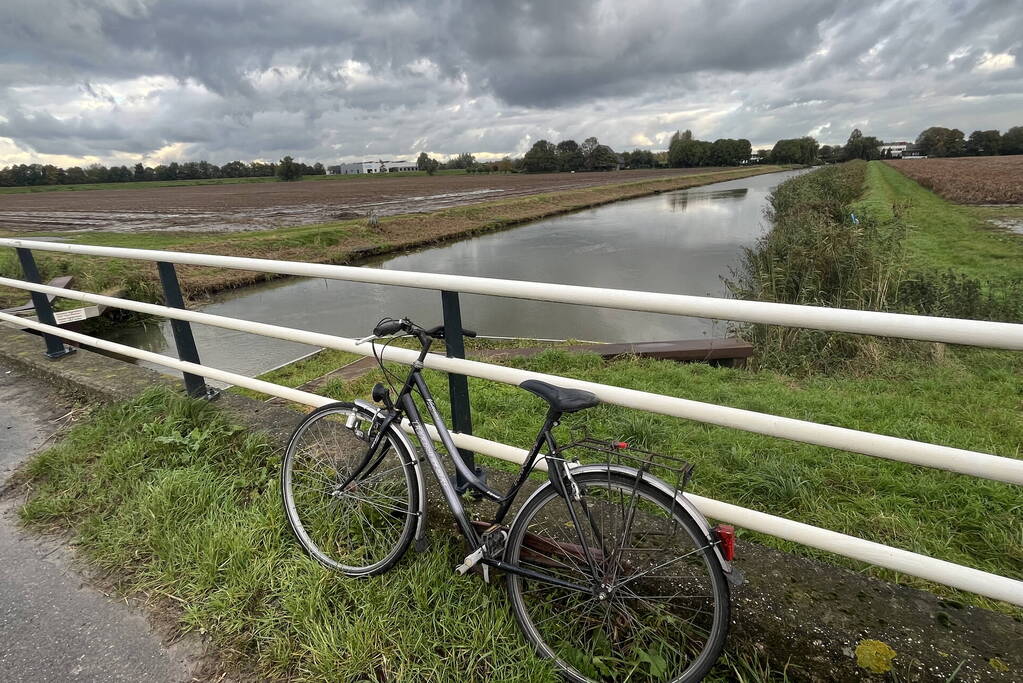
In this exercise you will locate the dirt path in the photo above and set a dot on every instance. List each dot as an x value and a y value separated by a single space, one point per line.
53 625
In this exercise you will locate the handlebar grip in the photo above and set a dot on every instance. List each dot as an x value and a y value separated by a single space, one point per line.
388 327
468 333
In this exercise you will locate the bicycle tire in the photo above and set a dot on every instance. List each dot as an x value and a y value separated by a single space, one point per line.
370 524
572 641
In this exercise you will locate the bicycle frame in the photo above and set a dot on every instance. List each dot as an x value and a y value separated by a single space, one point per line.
557 471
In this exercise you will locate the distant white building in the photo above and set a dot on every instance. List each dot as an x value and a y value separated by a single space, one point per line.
372 167
897 149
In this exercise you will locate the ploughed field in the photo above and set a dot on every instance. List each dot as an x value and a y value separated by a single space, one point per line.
263 206
969 180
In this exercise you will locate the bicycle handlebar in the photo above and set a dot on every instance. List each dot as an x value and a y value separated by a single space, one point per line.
391 326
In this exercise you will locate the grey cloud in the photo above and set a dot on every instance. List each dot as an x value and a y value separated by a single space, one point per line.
263 78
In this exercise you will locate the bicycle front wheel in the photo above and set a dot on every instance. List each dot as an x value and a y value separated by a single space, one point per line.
353 515
657 601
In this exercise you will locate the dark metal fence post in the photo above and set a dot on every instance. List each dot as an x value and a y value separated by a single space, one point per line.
458 385
55 348
183 339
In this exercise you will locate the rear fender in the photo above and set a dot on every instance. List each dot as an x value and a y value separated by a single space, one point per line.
734 575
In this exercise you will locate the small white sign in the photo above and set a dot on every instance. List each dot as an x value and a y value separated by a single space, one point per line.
74 315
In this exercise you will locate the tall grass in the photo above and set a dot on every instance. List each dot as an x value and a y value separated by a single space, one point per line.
829 248
820 254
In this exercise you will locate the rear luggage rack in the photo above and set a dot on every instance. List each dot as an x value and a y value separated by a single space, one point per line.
669 468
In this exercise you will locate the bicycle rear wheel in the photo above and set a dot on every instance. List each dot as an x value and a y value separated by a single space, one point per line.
360 525
658 604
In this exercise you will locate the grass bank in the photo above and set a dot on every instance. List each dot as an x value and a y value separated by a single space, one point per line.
942 236
183 506
337 242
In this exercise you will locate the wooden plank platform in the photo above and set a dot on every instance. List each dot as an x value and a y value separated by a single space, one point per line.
728 351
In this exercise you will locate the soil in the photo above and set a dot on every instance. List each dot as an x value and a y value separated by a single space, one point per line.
263 206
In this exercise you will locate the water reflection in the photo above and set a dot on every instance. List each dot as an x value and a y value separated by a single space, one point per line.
678 201
679 242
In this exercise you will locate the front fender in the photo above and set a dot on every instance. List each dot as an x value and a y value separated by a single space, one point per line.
373 409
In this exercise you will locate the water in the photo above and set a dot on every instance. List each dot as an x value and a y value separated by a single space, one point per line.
681 242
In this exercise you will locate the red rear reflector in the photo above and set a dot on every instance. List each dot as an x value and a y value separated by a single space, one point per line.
726 534
621 445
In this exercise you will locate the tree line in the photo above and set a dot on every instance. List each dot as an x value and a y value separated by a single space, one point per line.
684 151
936 141
48 174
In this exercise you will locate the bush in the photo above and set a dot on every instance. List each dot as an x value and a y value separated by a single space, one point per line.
288 170
818 254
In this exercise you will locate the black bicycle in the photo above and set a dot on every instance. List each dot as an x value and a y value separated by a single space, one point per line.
611 571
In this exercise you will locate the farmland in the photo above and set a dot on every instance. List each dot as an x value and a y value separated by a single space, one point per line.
244 220
969 180
268 205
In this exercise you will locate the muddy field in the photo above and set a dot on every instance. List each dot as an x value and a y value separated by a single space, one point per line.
969 180
262 206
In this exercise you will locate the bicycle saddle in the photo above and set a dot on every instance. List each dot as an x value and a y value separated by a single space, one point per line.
561 399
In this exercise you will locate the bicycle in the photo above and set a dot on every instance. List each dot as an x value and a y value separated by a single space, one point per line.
611 572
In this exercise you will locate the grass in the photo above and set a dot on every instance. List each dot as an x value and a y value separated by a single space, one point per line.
149 184
969 400
185 505
167 494
335 242
941 235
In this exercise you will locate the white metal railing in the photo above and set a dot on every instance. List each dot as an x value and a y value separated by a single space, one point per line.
998 335
925 328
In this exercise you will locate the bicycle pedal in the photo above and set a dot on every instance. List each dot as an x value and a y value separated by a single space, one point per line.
470 561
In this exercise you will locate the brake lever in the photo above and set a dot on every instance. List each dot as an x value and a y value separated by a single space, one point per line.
365 339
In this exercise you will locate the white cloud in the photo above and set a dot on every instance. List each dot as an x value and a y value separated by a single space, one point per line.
990 63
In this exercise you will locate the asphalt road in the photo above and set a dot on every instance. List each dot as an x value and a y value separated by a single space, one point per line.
53 625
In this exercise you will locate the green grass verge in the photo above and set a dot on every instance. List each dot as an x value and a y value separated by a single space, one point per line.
183 506
941 235
971 399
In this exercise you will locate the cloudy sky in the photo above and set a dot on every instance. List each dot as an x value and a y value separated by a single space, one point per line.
159 80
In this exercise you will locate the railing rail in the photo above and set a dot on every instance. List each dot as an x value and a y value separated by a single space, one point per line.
974 463
925 328
997 335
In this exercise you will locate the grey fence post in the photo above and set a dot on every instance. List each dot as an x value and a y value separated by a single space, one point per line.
183 339
55 348
458 385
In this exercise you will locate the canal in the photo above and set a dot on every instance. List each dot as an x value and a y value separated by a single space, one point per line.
681 242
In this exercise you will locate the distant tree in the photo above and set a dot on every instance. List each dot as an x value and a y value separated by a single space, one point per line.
688 153
937 141
425 163
1012 141
463 160
603 158
860 146
729 152
288 170
570 156
318 169
588 147
984 143
795 151
640 158
541 158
